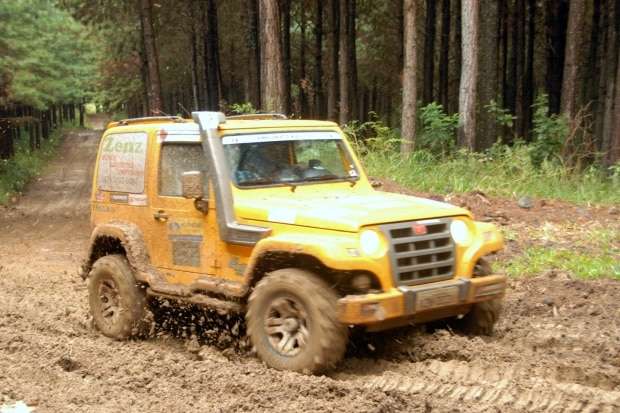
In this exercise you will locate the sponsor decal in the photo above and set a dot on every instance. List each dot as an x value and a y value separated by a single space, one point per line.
119 198
137 199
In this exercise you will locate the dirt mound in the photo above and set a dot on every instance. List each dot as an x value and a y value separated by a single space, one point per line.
557 348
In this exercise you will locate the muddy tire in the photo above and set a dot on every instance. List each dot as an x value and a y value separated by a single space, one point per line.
117 302
481 318
292 322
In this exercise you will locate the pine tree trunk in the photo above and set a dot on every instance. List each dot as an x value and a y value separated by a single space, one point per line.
273 97
408 121
570 86
610 81
81 111
253 74
303 81
488 82
556 26
613 154
6 139
212 57
469 73
285 13
429 49
344 61
454 75
332 46
151 57
444 61
318 110
352 35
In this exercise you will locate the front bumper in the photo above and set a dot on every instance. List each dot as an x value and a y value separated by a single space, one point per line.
419 303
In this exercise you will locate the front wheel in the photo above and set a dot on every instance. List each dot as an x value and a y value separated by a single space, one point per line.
481 318
292 322
117 302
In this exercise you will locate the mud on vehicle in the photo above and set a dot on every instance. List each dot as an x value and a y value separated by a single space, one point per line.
275 219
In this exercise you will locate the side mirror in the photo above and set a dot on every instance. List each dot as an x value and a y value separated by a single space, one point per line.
193 184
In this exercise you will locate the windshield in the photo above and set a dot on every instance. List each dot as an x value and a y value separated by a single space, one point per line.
288 158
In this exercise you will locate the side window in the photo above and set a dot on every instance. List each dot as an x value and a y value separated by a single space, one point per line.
176 158
121 162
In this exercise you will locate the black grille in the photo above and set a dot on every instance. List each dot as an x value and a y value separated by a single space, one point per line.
423 257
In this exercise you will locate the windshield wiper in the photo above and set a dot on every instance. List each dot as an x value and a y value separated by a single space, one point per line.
330 177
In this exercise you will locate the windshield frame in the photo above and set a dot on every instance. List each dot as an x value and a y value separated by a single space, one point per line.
287 184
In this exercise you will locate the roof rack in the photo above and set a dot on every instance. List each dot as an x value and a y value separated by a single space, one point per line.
258 116
126 122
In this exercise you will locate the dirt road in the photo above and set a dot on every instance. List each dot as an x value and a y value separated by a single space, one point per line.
556 349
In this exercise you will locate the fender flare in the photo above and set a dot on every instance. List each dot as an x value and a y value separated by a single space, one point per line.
132 241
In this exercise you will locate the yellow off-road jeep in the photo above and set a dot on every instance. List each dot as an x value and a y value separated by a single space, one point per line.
276 219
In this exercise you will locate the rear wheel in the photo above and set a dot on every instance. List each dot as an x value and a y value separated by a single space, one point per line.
292 322
117 302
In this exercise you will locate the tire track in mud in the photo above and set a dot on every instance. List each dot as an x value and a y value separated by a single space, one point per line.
509 388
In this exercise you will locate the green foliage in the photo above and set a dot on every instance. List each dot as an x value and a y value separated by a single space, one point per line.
549 132
242 108
502 171
45 55
438 129
16 172
372 136
502 116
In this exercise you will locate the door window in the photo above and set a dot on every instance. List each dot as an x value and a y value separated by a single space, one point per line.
175 159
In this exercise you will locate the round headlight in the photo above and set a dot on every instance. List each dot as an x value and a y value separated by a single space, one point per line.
370 243
460 232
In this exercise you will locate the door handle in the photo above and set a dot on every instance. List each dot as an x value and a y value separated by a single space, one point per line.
160 215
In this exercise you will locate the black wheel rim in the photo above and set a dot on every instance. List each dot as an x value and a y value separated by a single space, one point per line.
286 325
109 298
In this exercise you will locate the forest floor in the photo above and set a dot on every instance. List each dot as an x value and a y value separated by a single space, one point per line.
557 347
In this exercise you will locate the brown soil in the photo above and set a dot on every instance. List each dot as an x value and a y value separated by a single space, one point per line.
557 348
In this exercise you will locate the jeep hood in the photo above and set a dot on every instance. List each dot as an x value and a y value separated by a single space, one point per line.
340 211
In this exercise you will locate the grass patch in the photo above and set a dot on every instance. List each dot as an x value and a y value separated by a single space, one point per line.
592 252
25 165
537 260
505 171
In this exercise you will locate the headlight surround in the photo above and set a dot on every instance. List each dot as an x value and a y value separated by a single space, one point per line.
460 232
370 243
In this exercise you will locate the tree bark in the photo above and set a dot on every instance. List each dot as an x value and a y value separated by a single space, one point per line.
303 81
488 82
151 57
273 97
613 154
332 45
344 64
469 74
212 57
253 73
454 75
429 51
444 61
352 35
556 26
612 56
570 86
318 59
285 13
408 121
